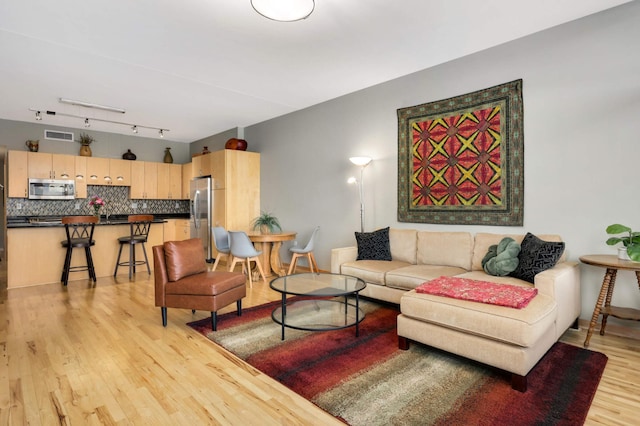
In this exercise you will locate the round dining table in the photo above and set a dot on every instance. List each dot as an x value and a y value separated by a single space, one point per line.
269 245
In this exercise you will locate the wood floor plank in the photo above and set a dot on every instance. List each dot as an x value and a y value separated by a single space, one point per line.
98 354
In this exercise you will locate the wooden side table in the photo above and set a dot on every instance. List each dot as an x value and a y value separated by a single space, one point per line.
603 305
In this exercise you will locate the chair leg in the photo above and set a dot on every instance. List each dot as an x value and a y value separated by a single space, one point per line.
163 311
132 259
233 264
312 259
90 267
214 321
259 264
292 266
215 264
248 271
115 272
146 260
67 265
239 306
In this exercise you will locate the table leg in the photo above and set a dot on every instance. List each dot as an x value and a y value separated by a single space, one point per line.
357 315
265 248
607 303
284 311
608 277
276 265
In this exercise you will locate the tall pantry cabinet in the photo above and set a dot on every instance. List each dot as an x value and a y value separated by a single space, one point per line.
236 183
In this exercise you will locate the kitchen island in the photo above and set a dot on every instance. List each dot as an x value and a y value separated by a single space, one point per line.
35 255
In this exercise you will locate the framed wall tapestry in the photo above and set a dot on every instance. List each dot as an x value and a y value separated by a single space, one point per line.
461 160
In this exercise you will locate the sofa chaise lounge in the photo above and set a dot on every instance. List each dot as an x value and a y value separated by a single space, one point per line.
507 338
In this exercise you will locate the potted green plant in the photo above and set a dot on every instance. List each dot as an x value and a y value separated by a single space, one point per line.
266 223
85 140
631 242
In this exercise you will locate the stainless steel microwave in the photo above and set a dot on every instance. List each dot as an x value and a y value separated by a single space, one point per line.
52 189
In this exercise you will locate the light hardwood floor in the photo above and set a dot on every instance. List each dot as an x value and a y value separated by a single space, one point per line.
99 355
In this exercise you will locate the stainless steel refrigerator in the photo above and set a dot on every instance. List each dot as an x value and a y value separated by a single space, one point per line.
201 195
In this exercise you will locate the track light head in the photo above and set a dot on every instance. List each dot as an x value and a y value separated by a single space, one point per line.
134 129
38 116
86 123
161 132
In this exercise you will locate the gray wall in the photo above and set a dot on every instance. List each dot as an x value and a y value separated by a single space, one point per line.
581 92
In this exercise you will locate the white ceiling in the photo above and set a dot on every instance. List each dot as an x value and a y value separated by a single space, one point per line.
200 67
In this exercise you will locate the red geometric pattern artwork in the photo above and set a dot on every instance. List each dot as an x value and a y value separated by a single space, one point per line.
457 159
460 160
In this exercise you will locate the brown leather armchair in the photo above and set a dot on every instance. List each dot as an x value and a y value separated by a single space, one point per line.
182 280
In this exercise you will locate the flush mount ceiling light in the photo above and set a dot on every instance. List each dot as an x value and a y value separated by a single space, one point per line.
284 10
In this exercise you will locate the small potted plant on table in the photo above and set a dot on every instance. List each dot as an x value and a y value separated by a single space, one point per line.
631 242
266 223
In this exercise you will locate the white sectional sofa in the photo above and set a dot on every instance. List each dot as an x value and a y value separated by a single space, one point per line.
507 338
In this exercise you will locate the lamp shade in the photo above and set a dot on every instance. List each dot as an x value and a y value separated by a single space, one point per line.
284 10
360 161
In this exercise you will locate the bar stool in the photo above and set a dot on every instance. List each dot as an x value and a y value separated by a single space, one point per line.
79 230
139 226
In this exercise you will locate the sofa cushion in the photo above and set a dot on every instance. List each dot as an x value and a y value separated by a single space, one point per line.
184 258
403 244
373 245
409 277
522 327
371 271
445 248
484 240
536 256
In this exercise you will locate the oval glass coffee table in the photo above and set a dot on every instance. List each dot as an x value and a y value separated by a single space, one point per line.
324 303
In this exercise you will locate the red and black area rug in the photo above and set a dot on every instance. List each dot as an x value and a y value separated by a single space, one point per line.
367 380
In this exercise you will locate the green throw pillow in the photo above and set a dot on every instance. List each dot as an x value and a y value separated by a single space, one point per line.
502 259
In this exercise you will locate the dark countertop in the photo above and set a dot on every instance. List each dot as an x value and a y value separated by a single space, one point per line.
55 221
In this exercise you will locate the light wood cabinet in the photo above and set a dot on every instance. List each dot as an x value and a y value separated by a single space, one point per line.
108 171
120 172
169 181
81 176
18 166
187 175
144 180
236 183
177 230
201 165
50 166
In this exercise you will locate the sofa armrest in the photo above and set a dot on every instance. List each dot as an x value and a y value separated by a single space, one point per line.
562 283
342 255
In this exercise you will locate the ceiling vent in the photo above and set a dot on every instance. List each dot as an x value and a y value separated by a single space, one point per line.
58 136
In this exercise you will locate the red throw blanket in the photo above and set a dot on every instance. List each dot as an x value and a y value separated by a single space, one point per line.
508 295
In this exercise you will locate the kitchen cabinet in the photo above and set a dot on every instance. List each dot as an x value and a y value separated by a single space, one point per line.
169 181
81 176
201 165
144 180
187 175
108 171
18 166
236 182
177 229
50 166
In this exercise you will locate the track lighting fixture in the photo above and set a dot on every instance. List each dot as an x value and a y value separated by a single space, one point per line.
87 121
91 105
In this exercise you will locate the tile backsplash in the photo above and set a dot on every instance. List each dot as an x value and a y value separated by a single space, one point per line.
116 198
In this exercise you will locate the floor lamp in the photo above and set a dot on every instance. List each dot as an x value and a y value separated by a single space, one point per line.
362 162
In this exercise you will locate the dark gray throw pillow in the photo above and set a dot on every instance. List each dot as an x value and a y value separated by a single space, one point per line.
374 245
536 256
